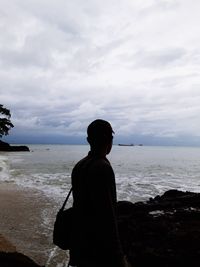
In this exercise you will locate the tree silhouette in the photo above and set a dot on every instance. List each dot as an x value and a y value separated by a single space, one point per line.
5 123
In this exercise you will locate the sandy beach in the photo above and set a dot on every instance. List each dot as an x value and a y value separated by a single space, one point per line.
26 222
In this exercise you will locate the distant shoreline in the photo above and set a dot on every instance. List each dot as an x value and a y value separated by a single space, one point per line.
114 144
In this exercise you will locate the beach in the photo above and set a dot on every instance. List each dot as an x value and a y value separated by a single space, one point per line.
26 223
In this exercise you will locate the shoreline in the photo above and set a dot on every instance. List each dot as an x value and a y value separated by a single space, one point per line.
163 227
26 222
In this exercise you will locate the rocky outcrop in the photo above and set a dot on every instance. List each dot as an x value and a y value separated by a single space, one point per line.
15 259
9 257
163 232
8 148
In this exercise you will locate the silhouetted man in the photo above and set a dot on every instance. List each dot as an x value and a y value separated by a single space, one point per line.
96 238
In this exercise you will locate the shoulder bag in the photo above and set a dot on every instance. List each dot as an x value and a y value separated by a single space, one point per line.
62 232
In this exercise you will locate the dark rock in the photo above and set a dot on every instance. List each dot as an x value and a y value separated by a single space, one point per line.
162 232
15 259
8 148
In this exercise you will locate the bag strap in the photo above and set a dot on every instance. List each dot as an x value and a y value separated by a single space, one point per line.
68 195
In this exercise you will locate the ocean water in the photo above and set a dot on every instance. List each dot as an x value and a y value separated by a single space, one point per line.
141 172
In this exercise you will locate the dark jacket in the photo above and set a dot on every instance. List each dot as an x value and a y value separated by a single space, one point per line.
96 236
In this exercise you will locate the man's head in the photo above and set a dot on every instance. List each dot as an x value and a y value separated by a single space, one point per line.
100 134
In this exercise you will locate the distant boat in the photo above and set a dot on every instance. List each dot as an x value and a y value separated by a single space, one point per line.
125 144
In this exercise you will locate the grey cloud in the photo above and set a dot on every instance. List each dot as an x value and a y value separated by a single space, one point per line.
158 58
24 58
159 6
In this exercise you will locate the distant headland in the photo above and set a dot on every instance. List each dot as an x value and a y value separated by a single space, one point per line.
8 148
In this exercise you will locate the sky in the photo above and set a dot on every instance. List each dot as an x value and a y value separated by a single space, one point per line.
135 63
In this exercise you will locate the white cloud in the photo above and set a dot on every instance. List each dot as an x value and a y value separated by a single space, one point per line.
135 63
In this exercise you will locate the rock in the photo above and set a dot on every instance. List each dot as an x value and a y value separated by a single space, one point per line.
9 257
163 232
15 259
8 148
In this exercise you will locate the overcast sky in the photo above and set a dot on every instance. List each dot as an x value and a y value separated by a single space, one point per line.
135 63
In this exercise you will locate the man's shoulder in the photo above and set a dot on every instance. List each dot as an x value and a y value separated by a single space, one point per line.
93 164
101 162
101 166
81 162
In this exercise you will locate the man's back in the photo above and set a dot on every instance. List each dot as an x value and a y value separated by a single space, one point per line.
94 193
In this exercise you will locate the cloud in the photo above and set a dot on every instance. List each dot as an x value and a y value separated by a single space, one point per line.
159 59
134 63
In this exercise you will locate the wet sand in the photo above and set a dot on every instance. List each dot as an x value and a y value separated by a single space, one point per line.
26 223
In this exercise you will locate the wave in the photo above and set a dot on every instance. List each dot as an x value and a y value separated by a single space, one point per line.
4 169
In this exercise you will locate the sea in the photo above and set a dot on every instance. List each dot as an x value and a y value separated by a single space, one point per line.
141 172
